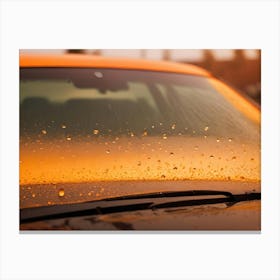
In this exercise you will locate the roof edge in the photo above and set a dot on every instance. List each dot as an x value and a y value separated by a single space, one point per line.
93 61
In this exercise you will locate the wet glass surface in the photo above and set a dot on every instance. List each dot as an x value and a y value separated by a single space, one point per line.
98 125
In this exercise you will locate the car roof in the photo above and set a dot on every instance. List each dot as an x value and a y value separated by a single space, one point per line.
87 61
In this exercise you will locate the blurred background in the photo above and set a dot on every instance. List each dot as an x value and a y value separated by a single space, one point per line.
239 68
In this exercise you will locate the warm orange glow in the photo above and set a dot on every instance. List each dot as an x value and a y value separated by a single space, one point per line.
238 101
148 158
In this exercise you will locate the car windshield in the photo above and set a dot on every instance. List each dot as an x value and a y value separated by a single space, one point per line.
84 125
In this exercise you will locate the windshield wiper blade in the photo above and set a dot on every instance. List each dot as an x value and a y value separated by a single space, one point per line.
229 200
128 203
171 194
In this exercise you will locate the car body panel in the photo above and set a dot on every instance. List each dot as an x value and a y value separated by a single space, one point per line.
85 61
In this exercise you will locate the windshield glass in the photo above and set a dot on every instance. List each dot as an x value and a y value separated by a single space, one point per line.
106 125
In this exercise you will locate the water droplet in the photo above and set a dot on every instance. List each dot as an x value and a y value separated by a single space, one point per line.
145 133
171 153
63 126
107 151
164 137
173 126
33 195
44 131
160 124
211 156
49 203
196 148
218 140
139 163
234 157
98 74
206 128
61 193
95 131
131 134
229 139
153 126
68 138
252 159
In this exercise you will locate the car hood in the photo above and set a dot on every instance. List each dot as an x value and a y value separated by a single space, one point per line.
240 216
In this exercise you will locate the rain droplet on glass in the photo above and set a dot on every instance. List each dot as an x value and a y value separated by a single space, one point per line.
61 193
98 74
